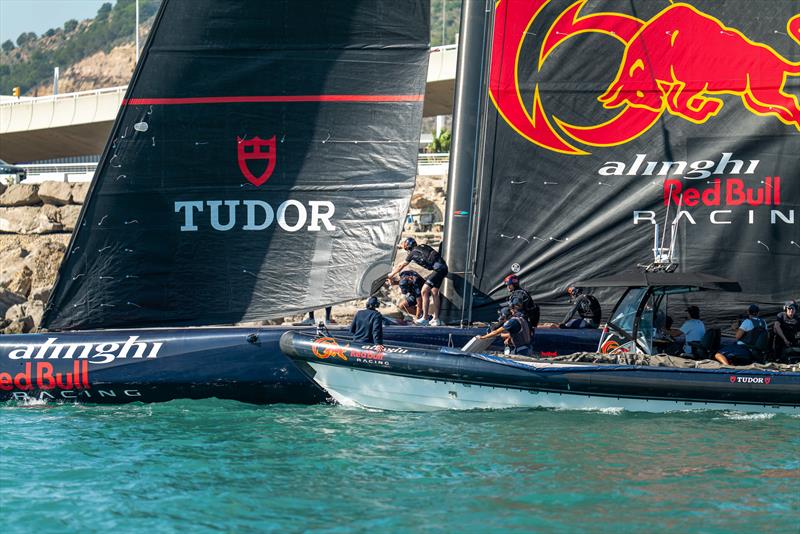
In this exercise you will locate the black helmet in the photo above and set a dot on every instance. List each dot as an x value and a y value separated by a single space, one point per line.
372 303
409 243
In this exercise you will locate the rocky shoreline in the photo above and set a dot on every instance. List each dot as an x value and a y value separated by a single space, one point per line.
37 220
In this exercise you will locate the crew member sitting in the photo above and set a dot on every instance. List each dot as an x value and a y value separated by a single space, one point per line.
585 306
367 325
425 256
411 284
693 329
515 331
786 329
751 338
529 308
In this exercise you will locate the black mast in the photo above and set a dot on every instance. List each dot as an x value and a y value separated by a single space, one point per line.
464 158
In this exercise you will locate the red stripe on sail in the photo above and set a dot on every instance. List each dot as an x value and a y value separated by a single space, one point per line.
271 99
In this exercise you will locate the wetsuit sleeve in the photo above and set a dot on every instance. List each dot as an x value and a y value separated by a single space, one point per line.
377 328
353 324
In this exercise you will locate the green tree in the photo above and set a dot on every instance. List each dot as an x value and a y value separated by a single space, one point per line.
440 144
103 12
8 46
70 25
49 33
23 38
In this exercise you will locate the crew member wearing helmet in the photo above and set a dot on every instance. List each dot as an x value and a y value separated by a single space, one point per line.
429 258
786 328
367 325
411 284
529 308
515 331
586 307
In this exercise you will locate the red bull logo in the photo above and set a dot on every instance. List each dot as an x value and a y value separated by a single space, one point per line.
327 347
256 149
678 62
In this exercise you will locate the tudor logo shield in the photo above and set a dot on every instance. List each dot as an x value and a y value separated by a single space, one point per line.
256 149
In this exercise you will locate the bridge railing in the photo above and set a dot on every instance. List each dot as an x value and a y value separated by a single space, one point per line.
61 110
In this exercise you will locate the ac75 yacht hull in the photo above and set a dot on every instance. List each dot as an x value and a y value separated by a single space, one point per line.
418 379
157 365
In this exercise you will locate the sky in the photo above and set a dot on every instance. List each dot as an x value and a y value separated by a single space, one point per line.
17 16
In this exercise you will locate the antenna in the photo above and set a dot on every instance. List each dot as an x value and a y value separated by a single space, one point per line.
664 259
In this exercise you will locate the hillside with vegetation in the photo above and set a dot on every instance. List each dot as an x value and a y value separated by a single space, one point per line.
99 52
28 62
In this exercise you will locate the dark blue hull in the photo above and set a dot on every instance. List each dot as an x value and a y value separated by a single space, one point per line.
244 364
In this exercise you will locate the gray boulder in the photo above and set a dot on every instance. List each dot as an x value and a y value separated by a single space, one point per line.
20 195
55 193
30 220
8 299
79 191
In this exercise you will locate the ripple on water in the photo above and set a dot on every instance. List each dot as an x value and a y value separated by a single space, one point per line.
219 465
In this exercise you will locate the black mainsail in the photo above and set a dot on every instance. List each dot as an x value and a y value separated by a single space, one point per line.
261 165
602 115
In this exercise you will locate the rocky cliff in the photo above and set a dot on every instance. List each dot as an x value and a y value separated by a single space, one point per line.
36 222
35 226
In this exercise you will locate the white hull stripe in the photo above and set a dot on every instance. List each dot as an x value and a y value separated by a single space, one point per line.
384 391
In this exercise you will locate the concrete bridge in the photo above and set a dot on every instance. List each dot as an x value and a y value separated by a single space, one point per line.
78 124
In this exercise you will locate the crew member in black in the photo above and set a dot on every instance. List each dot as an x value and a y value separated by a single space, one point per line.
515 331
585 306
750 340
529 308
411 284
786 329
425 256
367 325
311 320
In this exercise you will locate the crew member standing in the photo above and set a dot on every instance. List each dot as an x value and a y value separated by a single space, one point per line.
586 307
367 325
429 258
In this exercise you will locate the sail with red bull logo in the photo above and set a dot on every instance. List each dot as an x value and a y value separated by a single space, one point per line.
604 118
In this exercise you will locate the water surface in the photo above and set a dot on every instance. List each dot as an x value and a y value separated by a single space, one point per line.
217 465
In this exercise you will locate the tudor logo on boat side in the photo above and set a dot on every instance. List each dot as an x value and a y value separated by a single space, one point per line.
750 379
256 149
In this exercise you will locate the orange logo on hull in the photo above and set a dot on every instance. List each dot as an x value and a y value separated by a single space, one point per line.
327 347
674 63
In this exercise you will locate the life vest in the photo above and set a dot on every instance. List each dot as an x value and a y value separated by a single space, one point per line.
757 337
426 256
523 337
530 308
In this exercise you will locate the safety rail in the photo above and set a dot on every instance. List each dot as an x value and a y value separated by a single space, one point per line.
65 109
58 172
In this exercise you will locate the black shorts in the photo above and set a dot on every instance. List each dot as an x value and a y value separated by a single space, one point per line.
737 354
436 278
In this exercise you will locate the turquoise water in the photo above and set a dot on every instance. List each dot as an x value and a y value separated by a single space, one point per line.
206 466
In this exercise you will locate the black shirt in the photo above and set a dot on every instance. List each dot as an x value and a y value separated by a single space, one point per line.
427 257
587 307
789 327
411 283
529 309
367 327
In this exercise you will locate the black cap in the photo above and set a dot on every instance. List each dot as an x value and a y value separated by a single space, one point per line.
505 311
790 304
694 311
753 309
372 303
516 301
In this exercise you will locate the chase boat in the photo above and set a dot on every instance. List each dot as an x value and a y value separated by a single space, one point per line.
625 373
